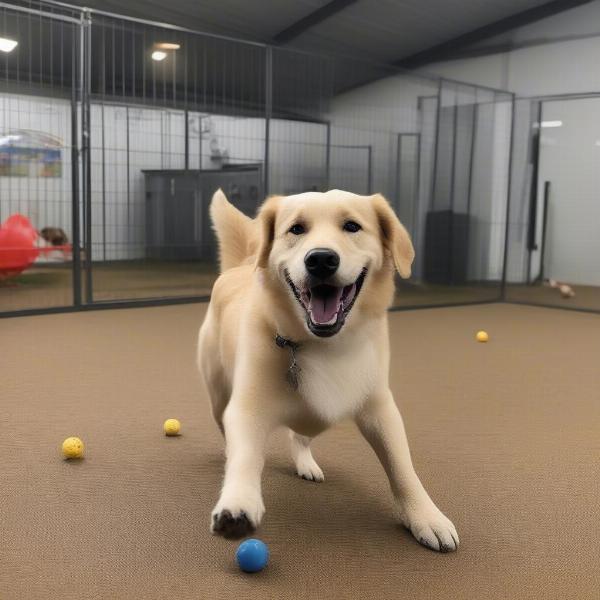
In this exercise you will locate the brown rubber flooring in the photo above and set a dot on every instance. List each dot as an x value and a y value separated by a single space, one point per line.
505 435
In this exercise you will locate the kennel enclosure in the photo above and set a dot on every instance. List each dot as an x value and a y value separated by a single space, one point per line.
122 152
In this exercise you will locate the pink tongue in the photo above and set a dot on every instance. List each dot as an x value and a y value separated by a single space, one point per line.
324 307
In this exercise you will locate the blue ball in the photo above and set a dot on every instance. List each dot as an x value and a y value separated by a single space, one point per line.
252 555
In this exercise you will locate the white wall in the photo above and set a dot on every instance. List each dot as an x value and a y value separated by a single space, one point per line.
559 56
372 116
44 200
375 113
551 64
156 141
569 158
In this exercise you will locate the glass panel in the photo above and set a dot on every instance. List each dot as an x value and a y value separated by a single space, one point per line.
560 237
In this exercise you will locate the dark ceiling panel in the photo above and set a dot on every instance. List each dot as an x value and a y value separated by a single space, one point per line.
257 21
213 74
310 20
387 30
378 30
449 48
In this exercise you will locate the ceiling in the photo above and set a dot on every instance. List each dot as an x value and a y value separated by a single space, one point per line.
222 76
380 30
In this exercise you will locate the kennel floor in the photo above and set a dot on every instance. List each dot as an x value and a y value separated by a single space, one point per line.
505 436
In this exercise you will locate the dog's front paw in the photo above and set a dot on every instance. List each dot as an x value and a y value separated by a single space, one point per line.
235 520
231 526
432 528
308 469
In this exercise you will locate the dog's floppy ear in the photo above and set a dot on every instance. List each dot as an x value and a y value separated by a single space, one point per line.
396 239
266 230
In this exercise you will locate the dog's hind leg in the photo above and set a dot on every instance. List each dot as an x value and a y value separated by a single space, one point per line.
213 374
306 466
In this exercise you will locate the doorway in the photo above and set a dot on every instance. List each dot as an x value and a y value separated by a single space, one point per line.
568 230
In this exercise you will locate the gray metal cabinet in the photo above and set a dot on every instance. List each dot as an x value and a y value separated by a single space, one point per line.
177 220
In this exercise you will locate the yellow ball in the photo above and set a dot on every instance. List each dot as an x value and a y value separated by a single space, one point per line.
72 448
172 427
482 336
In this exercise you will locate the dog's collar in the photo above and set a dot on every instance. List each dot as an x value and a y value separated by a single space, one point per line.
283 342
293 372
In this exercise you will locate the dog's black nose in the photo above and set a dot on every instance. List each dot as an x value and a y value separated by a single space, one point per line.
322 262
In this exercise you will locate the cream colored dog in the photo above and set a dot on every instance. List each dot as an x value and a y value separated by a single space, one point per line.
296 335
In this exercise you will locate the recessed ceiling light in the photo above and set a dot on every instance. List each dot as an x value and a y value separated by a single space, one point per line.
166 46
7 45
159 55
551 123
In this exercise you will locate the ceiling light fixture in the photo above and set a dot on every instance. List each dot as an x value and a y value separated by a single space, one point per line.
166 46
552 123
7 45
159 55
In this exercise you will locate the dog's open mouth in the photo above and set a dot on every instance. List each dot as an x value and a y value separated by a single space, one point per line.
327 305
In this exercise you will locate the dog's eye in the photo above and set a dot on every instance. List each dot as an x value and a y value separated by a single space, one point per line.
352 226
297 229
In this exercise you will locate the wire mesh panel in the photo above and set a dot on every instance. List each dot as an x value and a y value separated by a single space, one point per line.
300 93
175 116
298 157
38 82
408 172
158 118
423 137
464 237
351 168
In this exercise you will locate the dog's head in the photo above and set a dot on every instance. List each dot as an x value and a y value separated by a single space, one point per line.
327 249
54 235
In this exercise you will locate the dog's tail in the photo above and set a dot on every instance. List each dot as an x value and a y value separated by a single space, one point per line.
236 233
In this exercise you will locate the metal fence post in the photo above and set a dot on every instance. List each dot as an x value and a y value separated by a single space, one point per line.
508 197
268 114
86 171
75 215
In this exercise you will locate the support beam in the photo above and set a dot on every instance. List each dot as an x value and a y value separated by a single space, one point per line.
310 20
447 50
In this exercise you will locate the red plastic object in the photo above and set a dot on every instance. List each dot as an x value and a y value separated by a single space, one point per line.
17 246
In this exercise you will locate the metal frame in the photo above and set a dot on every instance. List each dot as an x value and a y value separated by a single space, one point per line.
75 213
328 156
533 196
442 305
41 13
579 309
508 199
81 98
435 147
268 116
540 276
105 305
369 169
417 194
86 159
474 124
